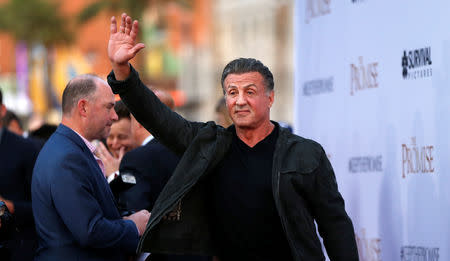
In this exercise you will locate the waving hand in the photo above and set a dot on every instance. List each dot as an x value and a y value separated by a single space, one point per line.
122 46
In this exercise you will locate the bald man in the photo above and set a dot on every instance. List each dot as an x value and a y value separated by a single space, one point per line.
76 217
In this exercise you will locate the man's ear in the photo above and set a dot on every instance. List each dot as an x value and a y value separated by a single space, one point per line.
2 112
82 107
271 98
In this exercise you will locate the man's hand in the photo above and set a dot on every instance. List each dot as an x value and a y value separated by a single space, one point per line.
139 218
9 204
110 162
122 46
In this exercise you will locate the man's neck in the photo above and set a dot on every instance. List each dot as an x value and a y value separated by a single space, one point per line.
251 137
75 127
141 135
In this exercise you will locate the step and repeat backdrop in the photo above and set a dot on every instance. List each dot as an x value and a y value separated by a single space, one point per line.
372 85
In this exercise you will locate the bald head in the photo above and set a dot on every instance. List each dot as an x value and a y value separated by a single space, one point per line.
80 87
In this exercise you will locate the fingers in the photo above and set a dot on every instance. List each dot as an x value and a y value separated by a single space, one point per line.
144 211
121 153
103 153
113 26
134 30
123 23
128 25
137 48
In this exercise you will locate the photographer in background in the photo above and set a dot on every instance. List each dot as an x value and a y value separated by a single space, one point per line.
17 157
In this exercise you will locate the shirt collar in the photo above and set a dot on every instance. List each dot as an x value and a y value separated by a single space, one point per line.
147 140
90 146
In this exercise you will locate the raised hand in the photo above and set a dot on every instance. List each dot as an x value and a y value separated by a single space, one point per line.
122 46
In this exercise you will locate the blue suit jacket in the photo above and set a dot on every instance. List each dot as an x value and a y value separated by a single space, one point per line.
74 210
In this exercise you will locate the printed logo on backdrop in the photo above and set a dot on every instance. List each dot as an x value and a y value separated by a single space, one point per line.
364 76
369 249
416 64
417 158
365 164
417 253
318 86
316 8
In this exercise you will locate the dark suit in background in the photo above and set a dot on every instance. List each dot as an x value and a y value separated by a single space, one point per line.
152 164
17 157
76 218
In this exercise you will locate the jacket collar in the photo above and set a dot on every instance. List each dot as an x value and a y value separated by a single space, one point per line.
72 135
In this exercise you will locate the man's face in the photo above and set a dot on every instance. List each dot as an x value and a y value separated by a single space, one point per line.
248 102
14 127
100 112
120 136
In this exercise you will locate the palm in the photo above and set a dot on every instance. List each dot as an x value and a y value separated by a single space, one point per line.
119 48
122 45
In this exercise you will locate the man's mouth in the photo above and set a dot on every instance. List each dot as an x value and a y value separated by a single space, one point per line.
241 111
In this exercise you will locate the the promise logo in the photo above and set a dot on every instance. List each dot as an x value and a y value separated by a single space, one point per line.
363 76
417 159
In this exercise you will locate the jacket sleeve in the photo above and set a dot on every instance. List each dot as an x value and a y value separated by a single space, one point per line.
74 199
334 225
167 126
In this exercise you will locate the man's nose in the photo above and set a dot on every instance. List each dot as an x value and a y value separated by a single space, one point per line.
114 116
240 99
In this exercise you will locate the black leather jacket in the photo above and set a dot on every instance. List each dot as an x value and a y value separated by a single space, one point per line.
303 183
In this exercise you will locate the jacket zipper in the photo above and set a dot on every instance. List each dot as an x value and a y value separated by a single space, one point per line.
276 190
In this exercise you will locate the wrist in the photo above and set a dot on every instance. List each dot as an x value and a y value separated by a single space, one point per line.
121 71
112 176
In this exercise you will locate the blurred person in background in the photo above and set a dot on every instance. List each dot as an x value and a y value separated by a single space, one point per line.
222 116
13 123
43 132
152 164
38 136
75 213
17 158
119 141
250 192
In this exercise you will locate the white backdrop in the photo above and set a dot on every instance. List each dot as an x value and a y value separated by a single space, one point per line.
372 85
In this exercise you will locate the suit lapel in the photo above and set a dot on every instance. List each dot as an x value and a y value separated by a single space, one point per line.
75 138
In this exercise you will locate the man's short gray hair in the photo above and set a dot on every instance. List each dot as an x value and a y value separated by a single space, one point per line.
80 87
